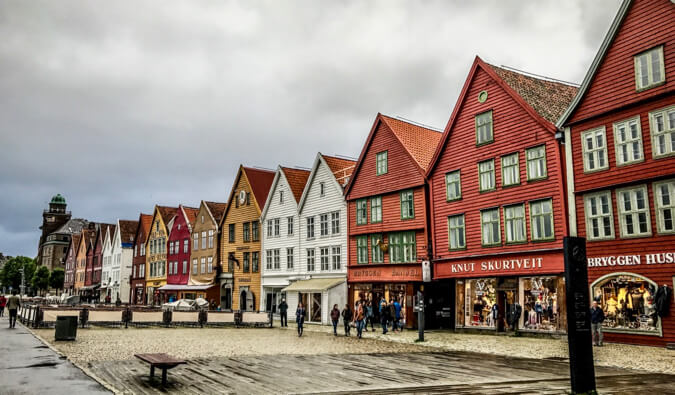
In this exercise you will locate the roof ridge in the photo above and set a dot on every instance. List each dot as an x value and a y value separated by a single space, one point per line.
535 76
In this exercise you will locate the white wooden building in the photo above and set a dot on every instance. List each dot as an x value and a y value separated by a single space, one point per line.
117 261
106 267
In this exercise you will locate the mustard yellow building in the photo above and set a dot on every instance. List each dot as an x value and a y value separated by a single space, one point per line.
155 262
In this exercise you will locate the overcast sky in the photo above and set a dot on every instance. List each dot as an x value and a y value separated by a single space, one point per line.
121 105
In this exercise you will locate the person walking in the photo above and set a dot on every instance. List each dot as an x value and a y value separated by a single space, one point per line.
335 318
397 315
384 312
597 318
300 314
13 304
3 303
347 318
392 315
359 317
369 316
283 312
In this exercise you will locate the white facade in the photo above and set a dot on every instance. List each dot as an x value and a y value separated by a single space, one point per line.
106 267
120 263
322 203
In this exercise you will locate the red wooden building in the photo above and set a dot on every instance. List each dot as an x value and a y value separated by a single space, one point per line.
620 148
138 263
388 213
178 255
97 259
498 209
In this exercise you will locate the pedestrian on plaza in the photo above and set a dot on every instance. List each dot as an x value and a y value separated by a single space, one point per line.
397 315
384 312
300 314
13 304
359 317
347 318
3 303
392 315
335 318
283 312
369 316
107 299
597 318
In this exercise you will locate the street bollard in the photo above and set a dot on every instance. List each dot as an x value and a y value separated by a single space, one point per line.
420 321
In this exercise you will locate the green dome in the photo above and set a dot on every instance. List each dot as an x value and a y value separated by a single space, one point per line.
58 199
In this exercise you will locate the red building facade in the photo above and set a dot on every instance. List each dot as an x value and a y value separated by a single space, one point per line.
178 255
498 209
388 214
620 149
137 279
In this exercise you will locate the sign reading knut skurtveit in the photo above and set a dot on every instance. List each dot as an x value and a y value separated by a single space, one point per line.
501 266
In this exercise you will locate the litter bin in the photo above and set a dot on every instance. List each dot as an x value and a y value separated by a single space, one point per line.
66 328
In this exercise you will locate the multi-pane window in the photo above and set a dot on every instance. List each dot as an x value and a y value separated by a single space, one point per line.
171 248
664 196
310 227
484 128
277 227
203 265
209 262
594 147
247 231
402 247
269 228
361 211
377 253
514 223
599 220
376 209
246 265
407 205
142 249
289 258
289 223
185 267
310 259
195 268
628 141
255 233
633 211
649 69
268 259
453 185
335 222
255 262
382 166
510 170
203 240
324 258
662 126
490 233
195 241
541 218
186 245
210 238
362 249
277 258
323 224
456 232
231 235
486 175
536 163
336 257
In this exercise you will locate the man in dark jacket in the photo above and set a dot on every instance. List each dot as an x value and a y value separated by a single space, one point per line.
347 318
283 312
597 318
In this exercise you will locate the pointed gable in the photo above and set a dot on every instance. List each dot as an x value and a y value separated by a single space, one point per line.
260 181
127 231
297 179
143 229
190 215
419 141
342 168
167 213
216 210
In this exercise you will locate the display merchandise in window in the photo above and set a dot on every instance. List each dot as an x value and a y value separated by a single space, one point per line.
477 303
542 299
628 303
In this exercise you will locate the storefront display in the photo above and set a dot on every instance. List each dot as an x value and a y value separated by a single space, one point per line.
375 292
477 303
628 302
543 302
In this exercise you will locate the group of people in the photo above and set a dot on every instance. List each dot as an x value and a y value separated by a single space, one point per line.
364 314
12 304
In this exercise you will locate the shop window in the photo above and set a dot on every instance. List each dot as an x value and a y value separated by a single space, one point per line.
402 247
543 303
382 165
662 127
477 303
362 249
483 124
664 197
599 220
486 175
514 223
456 232
594 148
510 170
628 302
536 163
649 69
633 212
628 141
541 217
376 209
407 205
375 244
490 232
453 186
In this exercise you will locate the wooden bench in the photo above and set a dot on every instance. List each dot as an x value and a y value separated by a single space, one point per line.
161 361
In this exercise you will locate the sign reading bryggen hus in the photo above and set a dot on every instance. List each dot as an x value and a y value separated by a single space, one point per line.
503 265
658 258
389 273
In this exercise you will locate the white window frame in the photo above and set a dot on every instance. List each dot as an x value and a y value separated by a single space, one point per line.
335 223
599 216
494 242
289 226
534 218
310 228
535 161
453 234
481 172
195 266
668 131
336 257
650 69
659 208
597 153
268 259
289 258
195 241
203 265
324 225
311 260
211 233
634 213
453 178
381 163
514 168
619 144
511 219
324 258
479 122
277 227
209 263
276 258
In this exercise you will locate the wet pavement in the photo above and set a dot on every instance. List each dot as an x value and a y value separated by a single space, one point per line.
28 366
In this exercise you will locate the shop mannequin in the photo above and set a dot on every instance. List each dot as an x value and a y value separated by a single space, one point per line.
611 306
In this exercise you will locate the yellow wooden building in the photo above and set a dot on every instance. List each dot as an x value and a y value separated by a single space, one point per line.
155 247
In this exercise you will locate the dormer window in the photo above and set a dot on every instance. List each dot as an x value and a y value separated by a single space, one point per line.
281 197
649 69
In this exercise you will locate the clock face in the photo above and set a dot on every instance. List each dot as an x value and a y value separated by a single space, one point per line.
242 197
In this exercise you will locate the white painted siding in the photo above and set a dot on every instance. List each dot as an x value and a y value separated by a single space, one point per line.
106 267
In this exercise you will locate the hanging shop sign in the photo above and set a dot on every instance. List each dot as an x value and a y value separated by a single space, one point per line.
393 273
505 266
426 271
661 258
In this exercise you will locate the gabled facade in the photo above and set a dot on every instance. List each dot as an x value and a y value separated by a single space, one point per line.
85 256
137 294
71 263
240 254
120 261
620 151
497 190
97 259
178 255
156 247
106 266
281 236
204 251
388 213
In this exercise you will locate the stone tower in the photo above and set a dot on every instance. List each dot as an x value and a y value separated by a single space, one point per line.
52 219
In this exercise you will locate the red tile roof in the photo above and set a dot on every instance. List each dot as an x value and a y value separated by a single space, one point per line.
297 178
342 168
191 214
216 209
128 230
167 213
419 141
547 98
145 224
260 181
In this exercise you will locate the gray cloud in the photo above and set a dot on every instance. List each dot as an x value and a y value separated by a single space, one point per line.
106 103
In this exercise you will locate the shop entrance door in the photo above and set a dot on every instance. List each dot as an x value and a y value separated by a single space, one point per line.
506 296
271 304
